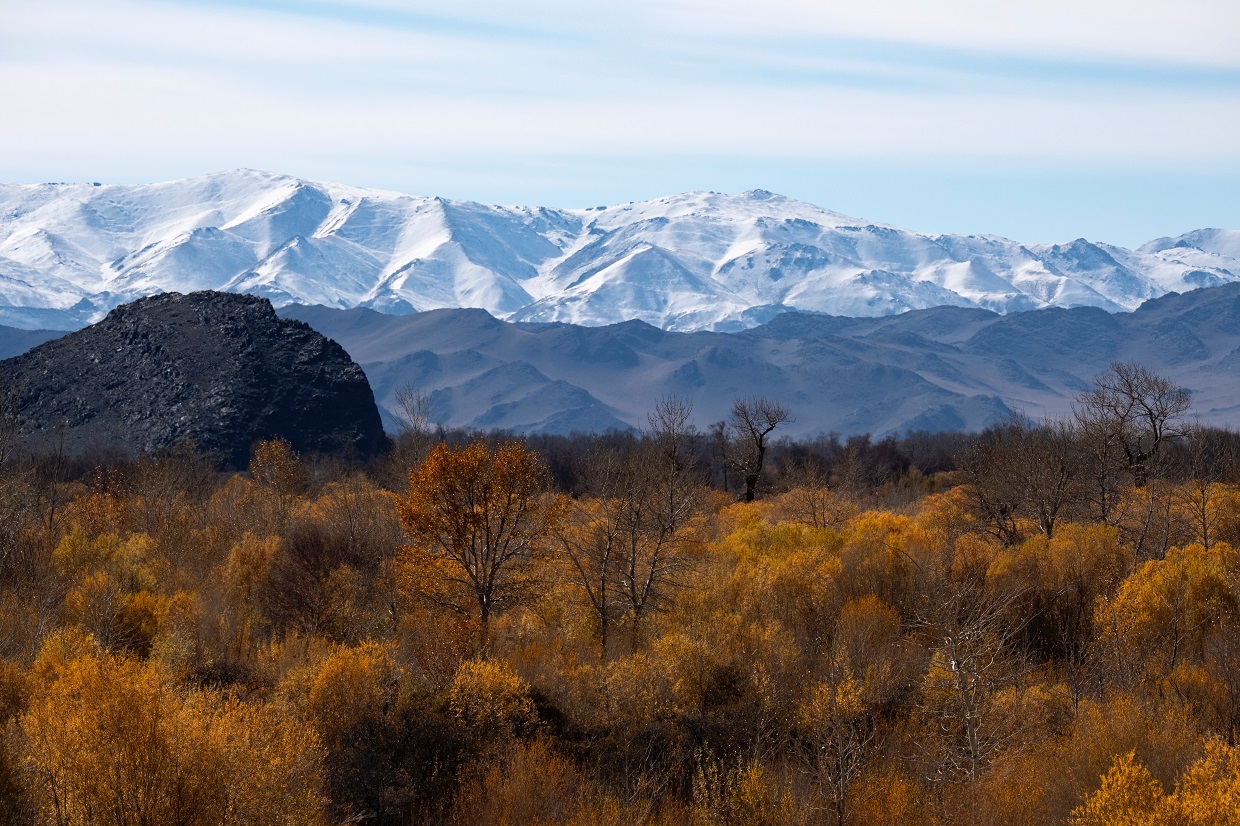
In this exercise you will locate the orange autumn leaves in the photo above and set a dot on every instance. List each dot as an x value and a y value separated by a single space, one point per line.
477 518
305 645
113 741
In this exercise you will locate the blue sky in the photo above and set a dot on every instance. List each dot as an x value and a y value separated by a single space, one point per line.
1117 121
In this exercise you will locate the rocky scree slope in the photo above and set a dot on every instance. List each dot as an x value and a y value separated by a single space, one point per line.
219 369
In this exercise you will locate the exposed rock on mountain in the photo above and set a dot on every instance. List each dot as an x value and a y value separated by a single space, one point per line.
220 369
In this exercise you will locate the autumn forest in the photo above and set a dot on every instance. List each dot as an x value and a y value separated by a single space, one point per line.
1036 624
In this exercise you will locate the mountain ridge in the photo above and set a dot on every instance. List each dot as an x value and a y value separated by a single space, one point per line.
941 368
699 260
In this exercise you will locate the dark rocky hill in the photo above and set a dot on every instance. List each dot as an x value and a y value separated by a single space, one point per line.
217 368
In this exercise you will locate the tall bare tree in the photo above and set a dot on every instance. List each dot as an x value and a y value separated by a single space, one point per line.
629 540
1134 411
753 420
590 538
413 415
975 656
663 496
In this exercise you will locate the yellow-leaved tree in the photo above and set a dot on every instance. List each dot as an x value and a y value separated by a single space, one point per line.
1169 611
1129 795
1207 794
477 517
111 741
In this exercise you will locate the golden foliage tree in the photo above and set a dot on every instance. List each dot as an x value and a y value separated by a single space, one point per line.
1208 792
534 784
109 741
384 750
276 467
1207 511
1129 795
491 701
1059 579
1168 609
476 518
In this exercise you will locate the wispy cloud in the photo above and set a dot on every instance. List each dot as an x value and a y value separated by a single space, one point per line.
1192 31
343 86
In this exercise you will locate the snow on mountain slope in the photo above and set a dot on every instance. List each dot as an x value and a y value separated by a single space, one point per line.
70 252
1222 242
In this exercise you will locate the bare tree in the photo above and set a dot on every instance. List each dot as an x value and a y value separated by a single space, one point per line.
629 543
721 449
670 435
990 466
590 538
663 497
671 430
753 420
974 657
1021 470
1134 411
1052 470
413 409
413 415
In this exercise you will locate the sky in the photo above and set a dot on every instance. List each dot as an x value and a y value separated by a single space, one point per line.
1114 120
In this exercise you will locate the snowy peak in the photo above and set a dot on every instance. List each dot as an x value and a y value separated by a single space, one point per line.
707 206
1222 242
697 260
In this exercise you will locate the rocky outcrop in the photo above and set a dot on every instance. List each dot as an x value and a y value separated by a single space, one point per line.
219 369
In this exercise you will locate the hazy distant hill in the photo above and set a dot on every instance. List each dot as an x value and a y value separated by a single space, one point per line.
14 341
696 261
941 368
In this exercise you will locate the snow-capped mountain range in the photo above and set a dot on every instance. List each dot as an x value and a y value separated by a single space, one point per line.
697 261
